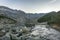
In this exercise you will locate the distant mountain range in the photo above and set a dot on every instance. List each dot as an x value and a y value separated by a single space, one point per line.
32 18
19 15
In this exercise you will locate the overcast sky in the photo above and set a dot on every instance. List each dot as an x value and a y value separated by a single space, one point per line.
32 6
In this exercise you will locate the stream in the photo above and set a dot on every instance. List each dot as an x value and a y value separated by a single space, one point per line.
40 32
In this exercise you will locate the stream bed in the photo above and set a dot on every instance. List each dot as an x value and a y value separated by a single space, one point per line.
40 32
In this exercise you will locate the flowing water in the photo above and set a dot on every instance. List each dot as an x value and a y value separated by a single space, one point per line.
41 32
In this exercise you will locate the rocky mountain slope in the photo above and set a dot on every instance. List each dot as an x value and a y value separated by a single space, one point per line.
17 15
20 16
6 21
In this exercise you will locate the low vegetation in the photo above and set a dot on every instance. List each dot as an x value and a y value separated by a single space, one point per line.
7 19
52 18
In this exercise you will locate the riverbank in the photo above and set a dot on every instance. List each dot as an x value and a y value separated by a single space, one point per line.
56 26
